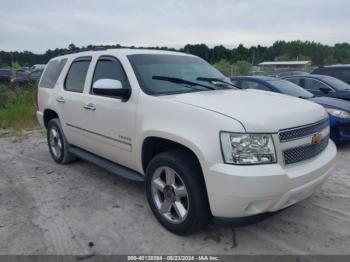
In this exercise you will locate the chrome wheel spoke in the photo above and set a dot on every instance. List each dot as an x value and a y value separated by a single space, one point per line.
169 177
180 191
53 133
165 207
159 184
180 209
59 144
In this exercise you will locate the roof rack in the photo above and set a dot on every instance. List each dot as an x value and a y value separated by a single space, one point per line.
99 48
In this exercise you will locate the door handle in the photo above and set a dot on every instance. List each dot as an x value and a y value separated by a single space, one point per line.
60 100
90 106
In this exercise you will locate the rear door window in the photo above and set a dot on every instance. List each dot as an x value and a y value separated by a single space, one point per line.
76 76
52 73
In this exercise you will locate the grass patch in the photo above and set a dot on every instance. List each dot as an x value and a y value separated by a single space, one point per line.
18 108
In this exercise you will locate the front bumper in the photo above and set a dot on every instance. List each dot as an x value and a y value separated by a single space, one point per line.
240 191
340 129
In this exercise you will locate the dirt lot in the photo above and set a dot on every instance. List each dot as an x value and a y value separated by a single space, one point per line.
46 208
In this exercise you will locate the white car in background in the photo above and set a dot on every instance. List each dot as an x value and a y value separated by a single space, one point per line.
37 67
203 147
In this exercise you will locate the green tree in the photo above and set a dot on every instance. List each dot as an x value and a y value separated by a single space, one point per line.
16 66
225 67
242 68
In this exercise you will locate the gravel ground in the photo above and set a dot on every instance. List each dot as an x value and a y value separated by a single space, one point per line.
80 209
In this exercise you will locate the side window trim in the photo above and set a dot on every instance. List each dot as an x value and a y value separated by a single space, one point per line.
78 59
112 59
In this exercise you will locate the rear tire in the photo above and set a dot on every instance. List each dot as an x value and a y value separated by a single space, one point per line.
176 192
57 143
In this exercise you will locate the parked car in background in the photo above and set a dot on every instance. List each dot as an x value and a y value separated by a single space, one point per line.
338 110
341 72
321 85
37 66
35 75
20 79
203 147
292 73
7 75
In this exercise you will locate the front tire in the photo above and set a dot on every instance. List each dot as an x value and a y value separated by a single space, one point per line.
176 192
57 143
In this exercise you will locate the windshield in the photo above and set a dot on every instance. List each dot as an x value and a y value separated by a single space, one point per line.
289 88
336 83
170 74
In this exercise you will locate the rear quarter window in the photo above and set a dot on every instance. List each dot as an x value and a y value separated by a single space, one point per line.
52 73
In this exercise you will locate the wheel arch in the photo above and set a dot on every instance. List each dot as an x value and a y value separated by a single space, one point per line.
156 144
48 115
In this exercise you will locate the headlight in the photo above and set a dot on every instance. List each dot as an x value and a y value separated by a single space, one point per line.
246 149
338 113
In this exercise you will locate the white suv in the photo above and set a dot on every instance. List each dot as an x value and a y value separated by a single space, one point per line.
203 147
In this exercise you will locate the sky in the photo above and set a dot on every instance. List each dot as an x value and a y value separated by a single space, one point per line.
38 25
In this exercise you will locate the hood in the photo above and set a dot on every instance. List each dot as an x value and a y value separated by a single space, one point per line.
258 111
332 102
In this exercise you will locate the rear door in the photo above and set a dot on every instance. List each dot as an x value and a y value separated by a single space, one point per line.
71 101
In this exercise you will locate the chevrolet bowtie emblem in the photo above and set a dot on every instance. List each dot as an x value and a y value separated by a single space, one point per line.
316 138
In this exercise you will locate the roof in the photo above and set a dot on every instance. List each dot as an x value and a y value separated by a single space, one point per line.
307 75
263 78
337 65
285 63
122 51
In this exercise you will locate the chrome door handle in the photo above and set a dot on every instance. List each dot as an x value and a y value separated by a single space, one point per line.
60 100
90 106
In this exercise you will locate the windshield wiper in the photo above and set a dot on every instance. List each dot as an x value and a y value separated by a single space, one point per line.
213 79
181 81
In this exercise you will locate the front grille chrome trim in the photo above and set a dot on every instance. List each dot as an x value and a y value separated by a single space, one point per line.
303 131
305 152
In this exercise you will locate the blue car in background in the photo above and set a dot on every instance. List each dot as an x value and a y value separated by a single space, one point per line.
321 85
338 110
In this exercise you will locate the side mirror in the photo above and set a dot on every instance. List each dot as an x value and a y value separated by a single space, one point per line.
325 90
110 87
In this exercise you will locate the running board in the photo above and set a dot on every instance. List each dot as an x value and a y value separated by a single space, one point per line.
107 165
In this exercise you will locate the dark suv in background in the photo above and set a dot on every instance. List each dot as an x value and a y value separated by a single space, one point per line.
321 85
341 72
7 75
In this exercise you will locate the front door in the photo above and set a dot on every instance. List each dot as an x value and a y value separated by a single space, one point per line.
110 121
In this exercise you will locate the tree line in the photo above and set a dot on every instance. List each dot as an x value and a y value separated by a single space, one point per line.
318 53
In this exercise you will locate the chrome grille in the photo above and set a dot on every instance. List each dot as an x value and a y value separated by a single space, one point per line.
299 132
298 154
